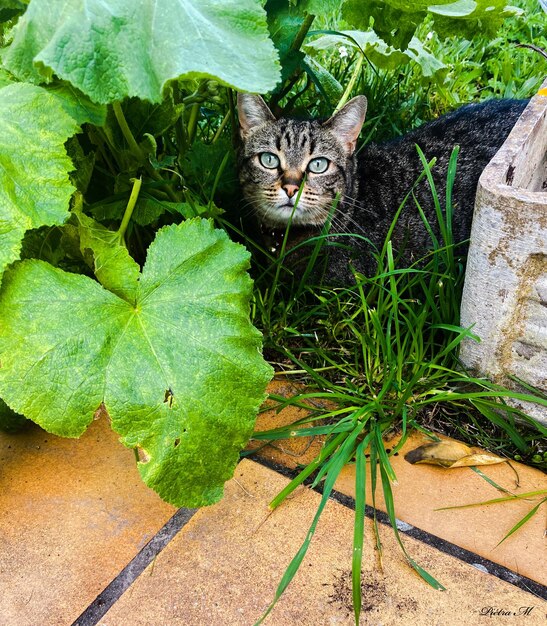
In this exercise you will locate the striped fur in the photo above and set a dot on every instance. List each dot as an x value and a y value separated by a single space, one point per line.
373 183
295 143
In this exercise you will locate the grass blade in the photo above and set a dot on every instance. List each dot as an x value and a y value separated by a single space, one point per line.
359 526
326 451
390 507
523 521
520 496
347 449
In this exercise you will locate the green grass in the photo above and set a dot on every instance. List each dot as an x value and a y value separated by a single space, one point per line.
389 344
384 351
476 70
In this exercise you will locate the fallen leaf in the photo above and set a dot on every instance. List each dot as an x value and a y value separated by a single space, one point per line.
451 454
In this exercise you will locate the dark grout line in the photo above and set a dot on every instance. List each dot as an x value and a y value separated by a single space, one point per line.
477 561
102 603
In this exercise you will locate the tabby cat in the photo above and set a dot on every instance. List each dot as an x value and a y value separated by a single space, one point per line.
277 156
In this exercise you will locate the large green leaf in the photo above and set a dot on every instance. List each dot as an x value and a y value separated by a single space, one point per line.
395 21
428 63
78 105
34 185
377 51
325 82
284 23
110 50
317 7
179 372
466 18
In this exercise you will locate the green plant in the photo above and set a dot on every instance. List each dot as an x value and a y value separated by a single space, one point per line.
119 295
116 304
384 352
113 130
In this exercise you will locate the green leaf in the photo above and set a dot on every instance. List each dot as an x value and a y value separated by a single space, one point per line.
359 526
325 82
110 50
379 53
461 8
319 7
84 164
523 521
5 78
152 118
34 184
284 22
202 163
486 18
108 258
429 64
149 209
395 22
180 372
77 104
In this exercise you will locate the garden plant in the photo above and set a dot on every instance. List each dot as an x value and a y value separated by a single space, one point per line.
125 257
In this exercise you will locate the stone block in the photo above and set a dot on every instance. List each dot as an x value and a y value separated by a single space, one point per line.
505 293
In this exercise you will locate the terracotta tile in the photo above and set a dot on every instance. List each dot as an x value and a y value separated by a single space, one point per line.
225 564
423 488
73 513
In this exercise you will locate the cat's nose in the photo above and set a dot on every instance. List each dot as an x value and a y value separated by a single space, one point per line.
290 189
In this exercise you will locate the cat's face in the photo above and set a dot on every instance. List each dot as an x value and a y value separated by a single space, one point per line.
279 157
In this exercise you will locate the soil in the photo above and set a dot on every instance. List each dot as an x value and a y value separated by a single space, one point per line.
374 595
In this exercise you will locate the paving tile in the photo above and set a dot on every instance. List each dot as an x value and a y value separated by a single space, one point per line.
73 513
223 568
422 489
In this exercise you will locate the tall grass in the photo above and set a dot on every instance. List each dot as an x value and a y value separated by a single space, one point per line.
383 350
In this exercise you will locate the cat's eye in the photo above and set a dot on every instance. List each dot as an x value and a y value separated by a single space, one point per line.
269 160
318 165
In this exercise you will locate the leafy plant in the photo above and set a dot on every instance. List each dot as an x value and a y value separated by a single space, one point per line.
116 147
168 351
120 296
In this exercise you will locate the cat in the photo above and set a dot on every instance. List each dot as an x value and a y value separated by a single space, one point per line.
282 161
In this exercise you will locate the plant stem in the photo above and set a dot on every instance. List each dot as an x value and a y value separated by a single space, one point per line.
126 131
295 47
233 122
192 123
301 34
221 127
136 149
351 84
137 182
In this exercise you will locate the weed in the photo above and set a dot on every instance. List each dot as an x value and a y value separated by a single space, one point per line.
385 352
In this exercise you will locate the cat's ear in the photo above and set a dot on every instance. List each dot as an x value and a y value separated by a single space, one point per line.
347 123
252 112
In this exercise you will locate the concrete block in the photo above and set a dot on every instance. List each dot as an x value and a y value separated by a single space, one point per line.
505 293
